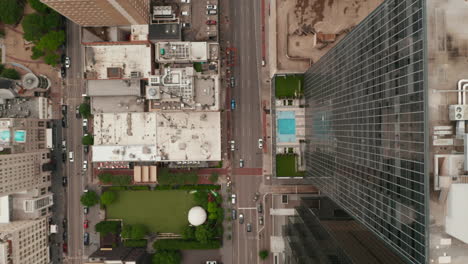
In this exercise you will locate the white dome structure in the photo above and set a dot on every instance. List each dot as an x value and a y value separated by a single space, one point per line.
197 216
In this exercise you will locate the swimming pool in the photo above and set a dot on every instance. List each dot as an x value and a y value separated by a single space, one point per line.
5 135
286 126
20 136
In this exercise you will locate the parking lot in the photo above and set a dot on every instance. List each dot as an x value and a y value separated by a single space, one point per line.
203 26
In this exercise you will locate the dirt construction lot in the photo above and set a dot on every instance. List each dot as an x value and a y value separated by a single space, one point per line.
296 44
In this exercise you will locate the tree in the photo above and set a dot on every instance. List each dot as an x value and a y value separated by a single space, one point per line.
263 254
139 231
108 198
2 67
36 53
39 7
203 234
188 233
213 177
85 110
89 198
52 21
33 26
87 140
10 73
167 257
52 58
105 227
126 231
11 11
51 41
200 198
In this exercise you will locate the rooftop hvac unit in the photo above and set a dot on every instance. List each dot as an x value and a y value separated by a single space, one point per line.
154 80
458 112
135 74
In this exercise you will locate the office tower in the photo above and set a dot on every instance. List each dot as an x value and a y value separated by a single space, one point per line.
24 242
366 126
103 12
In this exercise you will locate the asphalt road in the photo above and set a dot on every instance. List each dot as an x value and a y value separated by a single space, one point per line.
246 123
73 133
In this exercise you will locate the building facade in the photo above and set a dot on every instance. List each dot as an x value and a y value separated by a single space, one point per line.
103 12
366 124
24 242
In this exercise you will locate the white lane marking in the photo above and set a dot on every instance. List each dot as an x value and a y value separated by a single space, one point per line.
247 208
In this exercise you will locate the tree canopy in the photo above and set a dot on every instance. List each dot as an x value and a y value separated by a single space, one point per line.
10 73
263 254
11 11
108 198
89 198
40 7
203 234
167 257
188 232
51 41
87 140
85 110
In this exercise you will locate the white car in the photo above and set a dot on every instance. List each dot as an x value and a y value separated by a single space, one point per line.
241 163
85 165
233 145
67 62
185 1
233 199
211 7
260 143
85 122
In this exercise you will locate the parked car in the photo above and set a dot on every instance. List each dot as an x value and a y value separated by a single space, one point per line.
260 220
86 149
185 1
64 181
64 109
86 224
233 145
249 227
233 81
70 156
77 112
211 12
64 223
241 163
211 7
67 62
65 248
86 239
233 199
64 156
241 218
64 122
64 235
86 210
85 124
64 145
260 208
85 165
233 104
260 143
211 22
63 72
233 214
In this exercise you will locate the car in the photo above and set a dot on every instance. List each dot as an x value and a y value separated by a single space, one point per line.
70 156
185 13
211 12
67 62
86 239
260 220
86 224
211 7
64 156
64 122
233 199
64 181
211 22
64 109
241 218
241 163
260 208
65 248
233 81
260 143
233 145
86 149
77 112
233 104
185 1
65 235
233 214
64 223
64 145
249 227
85 123
85 165
86 210
63 72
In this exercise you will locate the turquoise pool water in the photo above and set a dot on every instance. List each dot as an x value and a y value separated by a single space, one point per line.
286 126
5 135
20 136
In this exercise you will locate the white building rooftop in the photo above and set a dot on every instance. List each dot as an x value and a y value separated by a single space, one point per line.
117 61
157 136
181 52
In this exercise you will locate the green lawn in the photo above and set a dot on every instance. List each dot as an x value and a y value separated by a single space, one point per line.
160 211
289 86
286 166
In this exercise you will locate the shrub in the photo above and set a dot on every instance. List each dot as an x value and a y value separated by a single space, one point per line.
167 178
105 227
135 242
108 197
173 244
10 74
136 232
162 187
138 188
87 140
121 180
89 198
11 11
213 177
167 257
263 254
116 188
188 232
85 110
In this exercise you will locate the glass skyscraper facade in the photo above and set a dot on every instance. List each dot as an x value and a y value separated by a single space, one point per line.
366 125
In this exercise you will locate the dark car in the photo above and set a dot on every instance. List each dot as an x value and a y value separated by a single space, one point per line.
64 223
77 112
63 72
233 214
64 122
233 81
65 248
65 235
233 104
249 227
64 181
260 220
86 148
260 208
86 239
64 109
64 157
